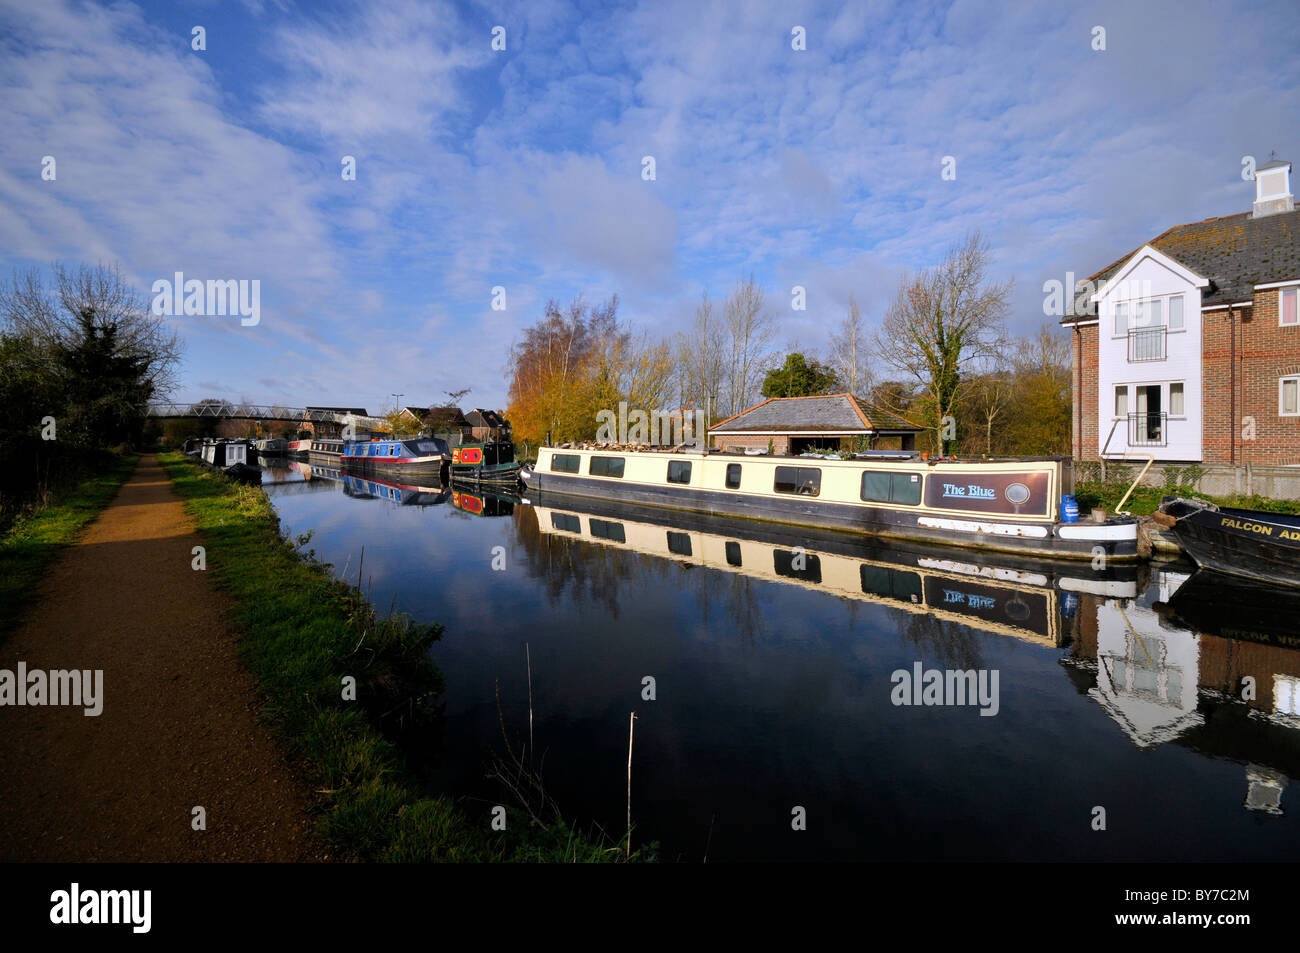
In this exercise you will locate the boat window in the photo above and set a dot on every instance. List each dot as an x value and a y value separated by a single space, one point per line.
804 481
882 486
679 471
606 466
392 451
567 522
565 462
733 553
679 543
604 529
890 583
733 476
797 565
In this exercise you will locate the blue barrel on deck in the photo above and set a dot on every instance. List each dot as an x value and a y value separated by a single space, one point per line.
1069 509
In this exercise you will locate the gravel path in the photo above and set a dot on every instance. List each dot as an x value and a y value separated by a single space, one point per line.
179 724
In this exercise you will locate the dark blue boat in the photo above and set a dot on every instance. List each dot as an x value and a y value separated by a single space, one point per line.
424 455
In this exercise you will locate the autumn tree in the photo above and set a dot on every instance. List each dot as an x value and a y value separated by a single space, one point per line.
943 322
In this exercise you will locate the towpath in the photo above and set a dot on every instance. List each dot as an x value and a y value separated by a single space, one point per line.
179 724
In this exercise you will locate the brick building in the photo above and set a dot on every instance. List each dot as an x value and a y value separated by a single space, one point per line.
1188 349
802 424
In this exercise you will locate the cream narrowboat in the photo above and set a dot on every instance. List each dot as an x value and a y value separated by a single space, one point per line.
1006 505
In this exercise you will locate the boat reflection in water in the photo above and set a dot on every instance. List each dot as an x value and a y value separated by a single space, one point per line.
1024 598
402 494
1170 654
476 502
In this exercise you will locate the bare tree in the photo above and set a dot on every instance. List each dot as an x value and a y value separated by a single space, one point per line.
943 322
849 351
749 333
96 298
701 362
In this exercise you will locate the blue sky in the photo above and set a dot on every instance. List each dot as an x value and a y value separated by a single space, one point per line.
522 168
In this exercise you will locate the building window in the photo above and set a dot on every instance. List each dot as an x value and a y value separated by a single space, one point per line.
679 471
733 476
1288 313
802 481
1149 314
882 486
1289 396
565 462
1121 317
1176 407
1121 401
1176 313
606 466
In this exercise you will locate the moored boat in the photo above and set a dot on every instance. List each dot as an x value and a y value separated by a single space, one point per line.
271 445
488 462
1250 544
231 458
1007 505
299 447
329 448
415 455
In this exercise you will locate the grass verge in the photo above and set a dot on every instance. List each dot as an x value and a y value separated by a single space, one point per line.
301 632
36 538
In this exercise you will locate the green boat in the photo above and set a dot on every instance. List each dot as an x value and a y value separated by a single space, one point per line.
486 462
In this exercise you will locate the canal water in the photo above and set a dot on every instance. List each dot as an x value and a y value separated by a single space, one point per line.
1136 715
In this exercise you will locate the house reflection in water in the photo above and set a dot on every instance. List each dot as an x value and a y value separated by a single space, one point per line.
1202 662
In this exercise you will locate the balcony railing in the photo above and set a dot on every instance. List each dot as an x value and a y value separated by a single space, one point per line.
1148 430
1146 344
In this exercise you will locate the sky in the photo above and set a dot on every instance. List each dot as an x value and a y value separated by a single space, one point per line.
524 168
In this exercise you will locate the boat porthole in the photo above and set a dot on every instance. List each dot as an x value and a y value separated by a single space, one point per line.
1016 493
1018 609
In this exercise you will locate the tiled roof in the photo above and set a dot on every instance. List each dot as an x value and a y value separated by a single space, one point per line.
478 417
832 412
1235 253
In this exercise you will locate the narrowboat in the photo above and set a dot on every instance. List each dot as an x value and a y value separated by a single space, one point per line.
1005 505
402 494
423 455
298 448
231 458
272 445
328 448
489 462
1250 544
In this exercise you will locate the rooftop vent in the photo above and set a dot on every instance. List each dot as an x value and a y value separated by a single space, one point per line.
1273 188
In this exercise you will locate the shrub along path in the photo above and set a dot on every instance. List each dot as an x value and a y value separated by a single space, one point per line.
179 724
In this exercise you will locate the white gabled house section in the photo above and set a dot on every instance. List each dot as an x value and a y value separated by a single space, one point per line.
1149 369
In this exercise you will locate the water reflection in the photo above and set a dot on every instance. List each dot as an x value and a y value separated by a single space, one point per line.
1168 697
